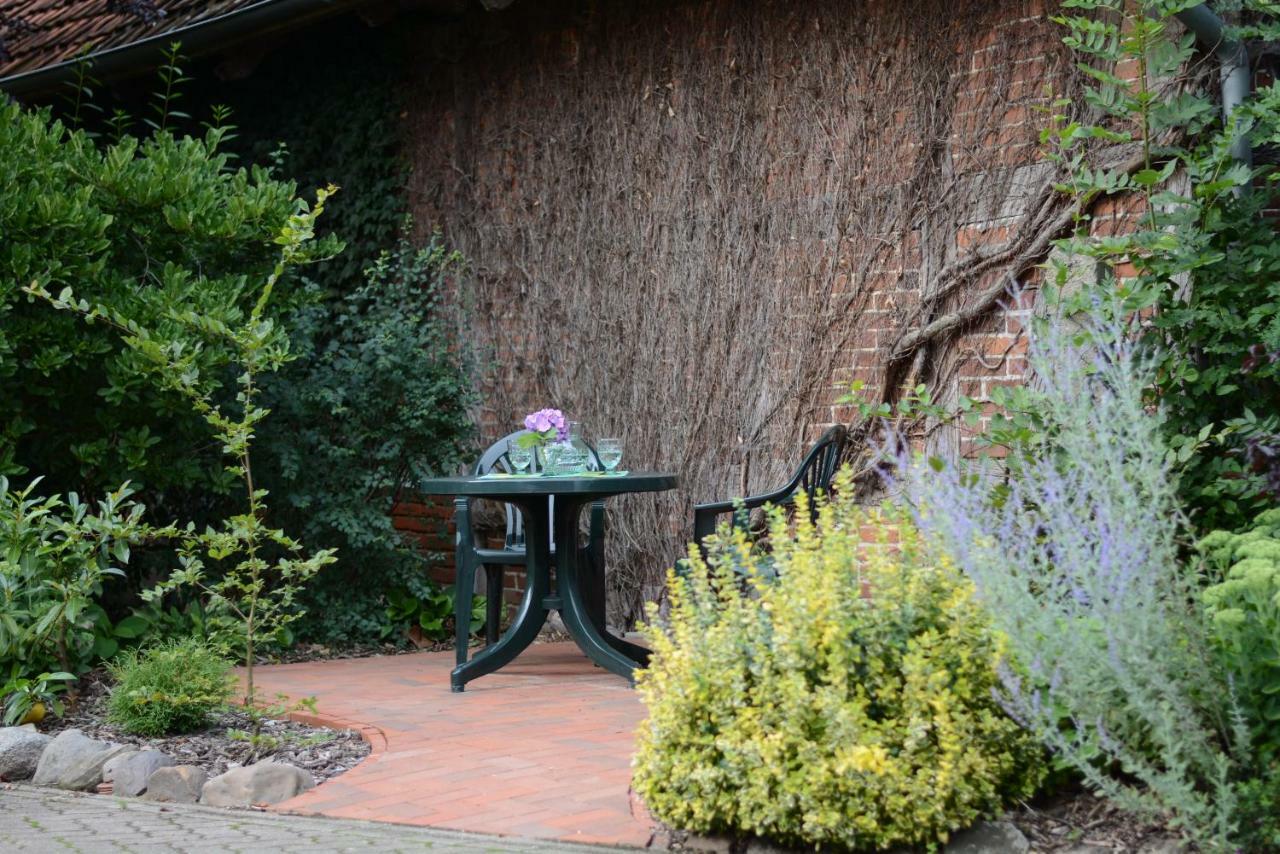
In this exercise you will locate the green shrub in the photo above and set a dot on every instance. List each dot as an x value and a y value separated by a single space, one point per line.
376 398
1258 812
147 227
243 567
1243 609
848 703
169 688
55 557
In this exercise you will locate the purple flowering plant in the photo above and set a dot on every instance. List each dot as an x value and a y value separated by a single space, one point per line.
1073 546
544 426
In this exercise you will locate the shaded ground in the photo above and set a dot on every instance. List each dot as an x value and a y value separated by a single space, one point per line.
1081 821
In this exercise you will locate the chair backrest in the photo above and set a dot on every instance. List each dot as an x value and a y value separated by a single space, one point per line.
495 459
819 467
496 456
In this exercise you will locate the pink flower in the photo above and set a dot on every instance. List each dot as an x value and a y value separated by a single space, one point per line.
545 420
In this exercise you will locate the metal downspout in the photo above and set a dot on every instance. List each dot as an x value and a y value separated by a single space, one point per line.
1233 71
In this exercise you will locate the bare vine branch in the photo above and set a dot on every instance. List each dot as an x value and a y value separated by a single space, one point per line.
692 224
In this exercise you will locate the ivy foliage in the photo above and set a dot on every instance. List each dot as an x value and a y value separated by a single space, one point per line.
375 399
335 123
1201 258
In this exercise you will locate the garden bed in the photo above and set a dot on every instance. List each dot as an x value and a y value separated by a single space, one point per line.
552 632
304 652
1075 821
324 753
1078 823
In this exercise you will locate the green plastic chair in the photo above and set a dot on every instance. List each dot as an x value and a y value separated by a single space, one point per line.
814 475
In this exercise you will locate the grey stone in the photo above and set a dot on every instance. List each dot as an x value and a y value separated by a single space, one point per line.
20 750
179 784
47 820
708 844
1163 845
74 761
263 783
128 773
989 837
764 846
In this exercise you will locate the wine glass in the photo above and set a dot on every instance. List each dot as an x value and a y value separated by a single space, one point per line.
520 458
610 453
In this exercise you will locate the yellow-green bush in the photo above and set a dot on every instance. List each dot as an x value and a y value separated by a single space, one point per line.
848 703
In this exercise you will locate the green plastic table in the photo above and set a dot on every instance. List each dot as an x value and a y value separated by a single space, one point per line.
530 495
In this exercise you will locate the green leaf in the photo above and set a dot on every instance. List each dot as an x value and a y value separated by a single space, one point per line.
132 626
105 647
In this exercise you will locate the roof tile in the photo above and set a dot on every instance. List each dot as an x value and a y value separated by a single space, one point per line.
57 30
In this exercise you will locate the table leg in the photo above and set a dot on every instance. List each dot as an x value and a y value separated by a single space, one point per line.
592 583
638 654
574 608
532 613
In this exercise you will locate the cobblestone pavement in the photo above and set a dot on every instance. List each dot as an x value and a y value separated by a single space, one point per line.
46 820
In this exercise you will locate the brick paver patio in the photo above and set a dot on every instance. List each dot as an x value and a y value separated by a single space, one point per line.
540 749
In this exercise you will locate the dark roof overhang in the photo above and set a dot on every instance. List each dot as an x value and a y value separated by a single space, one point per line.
197 37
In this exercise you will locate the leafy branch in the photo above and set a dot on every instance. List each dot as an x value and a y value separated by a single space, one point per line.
257 589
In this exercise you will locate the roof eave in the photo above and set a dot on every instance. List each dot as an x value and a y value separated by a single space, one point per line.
196 37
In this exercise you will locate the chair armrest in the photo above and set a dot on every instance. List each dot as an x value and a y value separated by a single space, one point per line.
704 515
751 502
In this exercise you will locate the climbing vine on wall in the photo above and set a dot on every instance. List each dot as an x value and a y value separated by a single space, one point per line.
330 122
688 221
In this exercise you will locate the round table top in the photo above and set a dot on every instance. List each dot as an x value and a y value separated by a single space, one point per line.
550 485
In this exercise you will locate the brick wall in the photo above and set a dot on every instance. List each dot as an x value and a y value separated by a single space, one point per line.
486 115
428 521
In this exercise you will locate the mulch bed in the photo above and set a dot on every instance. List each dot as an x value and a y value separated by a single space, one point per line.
319 652
325 753
1075 821
1080 819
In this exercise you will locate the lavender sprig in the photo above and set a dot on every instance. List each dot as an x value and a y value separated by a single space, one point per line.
1077 558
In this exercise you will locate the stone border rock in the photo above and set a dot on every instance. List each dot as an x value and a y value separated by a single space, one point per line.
20 750
72 761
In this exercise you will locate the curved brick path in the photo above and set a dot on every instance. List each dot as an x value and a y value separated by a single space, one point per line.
540 749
